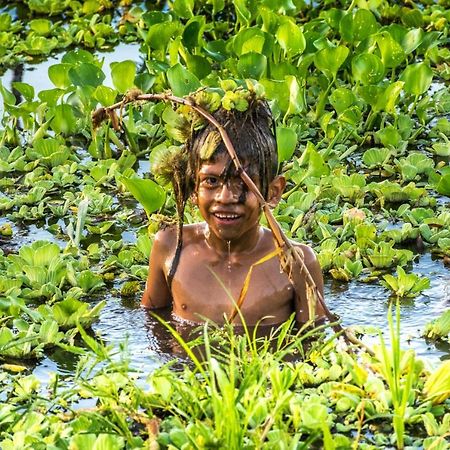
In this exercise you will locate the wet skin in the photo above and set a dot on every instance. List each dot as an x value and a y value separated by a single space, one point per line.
218 253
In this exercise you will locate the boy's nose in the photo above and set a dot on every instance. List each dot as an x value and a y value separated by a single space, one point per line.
225 194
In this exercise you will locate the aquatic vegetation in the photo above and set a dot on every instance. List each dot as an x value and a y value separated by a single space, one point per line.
323 399
405 284
360 98
70 312
439 328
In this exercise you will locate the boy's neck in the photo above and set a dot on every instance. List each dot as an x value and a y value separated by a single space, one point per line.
245 244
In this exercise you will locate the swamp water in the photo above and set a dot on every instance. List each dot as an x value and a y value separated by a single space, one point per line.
149 344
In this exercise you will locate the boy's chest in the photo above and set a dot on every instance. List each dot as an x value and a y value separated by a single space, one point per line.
209 286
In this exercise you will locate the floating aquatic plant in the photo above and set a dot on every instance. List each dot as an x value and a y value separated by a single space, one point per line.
405 284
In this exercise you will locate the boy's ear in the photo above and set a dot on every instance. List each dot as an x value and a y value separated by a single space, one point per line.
276 189
194 198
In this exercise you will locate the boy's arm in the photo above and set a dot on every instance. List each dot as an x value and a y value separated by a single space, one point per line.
301 304
157 293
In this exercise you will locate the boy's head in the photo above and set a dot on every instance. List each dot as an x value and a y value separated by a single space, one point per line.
252 135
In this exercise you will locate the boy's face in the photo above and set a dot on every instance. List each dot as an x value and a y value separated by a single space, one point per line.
228 207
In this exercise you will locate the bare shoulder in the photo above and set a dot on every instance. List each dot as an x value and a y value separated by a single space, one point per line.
309 254
165 239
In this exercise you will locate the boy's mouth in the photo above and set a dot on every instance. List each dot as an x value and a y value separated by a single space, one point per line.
226 217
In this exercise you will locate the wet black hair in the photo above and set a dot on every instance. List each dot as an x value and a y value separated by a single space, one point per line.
252 133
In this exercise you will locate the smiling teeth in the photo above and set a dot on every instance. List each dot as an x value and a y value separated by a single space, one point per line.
227 216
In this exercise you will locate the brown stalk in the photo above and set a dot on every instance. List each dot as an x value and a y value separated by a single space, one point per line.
290 256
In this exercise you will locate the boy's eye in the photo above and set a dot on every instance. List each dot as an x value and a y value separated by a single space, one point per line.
210 181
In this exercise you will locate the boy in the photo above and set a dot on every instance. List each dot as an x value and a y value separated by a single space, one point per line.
202 275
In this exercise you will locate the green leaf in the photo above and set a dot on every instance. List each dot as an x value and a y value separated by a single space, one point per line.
51 96
123 74
183 8
64 119
417 78
367 68
443 186
193 33
149 194
160 34
251 40
341 99
86 74
79 56
105 95
330 59
291 39
8 97
25 89
46 146
296 95
42 27
413 38
286 143
198 65
392 53
388 99
252 65
358 26
376 157
181 81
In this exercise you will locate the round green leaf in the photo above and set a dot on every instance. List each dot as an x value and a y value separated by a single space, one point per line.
193 33
50 96
122 74
412 39
86 74
358 26
291 39
25 89
198 65
252 65
42 27
59 75
286 143
417 78
105 95
149 194
443 187
252 40
181 81
330 59
341 99
64 120
391 51
367 68
217 50
160 34
78 56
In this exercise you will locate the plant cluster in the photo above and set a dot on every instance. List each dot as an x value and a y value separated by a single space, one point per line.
277 392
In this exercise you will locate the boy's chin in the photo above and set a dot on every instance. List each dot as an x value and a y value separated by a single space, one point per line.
230 234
